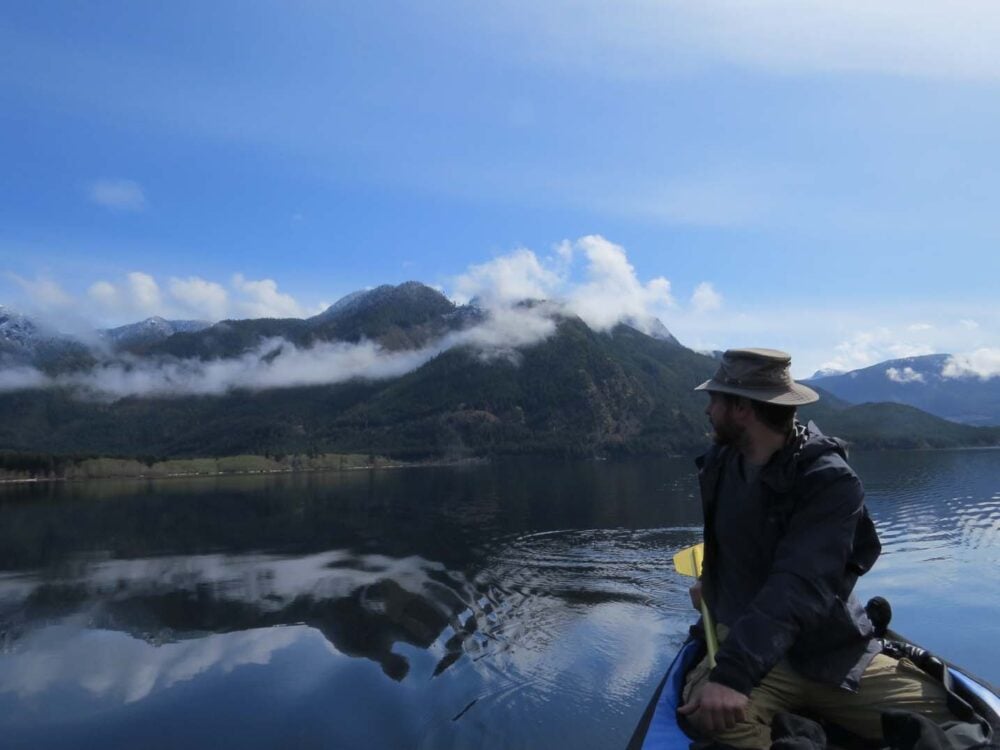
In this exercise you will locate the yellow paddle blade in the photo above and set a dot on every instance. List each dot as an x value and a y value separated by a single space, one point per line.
687 562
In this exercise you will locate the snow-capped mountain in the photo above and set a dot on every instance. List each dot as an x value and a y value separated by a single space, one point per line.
17 332
150 330
26 342
923 382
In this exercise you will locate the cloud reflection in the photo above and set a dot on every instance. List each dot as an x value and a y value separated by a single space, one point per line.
362 604
123 669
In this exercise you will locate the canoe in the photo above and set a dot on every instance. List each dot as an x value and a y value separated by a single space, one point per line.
658 728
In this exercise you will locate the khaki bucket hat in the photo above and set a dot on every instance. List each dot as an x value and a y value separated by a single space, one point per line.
760 375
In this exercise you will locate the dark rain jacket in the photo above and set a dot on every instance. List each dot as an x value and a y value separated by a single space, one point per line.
820 539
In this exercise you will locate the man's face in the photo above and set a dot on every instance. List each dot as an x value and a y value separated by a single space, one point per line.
725 429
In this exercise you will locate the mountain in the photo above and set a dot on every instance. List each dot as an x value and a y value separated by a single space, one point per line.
24 342
578 392
150 331
16 331
395 317
920 382
888 425
575 391
398 317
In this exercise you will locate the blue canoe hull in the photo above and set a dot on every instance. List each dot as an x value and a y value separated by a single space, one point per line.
658 729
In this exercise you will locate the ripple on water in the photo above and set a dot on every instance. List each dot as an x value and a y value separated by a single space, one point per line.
557 611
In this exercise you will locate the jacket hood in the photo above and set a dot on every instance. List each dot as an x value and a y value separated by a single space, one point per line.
814 443
805 445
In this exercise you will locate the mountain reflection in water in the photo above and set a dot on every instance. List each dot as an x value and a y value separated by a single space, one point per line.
520 604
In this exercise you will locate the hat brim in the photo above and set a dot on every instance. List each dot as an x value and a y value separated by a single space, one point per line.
795 394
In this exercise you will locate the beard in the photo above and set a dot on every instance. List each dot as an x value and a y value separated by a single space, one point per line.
727 432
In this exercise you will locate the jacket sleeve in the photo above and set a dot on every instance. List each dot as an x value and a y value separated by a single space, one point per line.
806 578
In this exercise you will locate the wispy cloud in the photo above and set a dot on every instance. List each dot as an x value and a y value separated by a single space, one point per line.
826 337
118 195
206 299
904 375
982 363
276 363
144 292
705 298
869 347
263 300
140 294
22 378
897 339
658 38
43 292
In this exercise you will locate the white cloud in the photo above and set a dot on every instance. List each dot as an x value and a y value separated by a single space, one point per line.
613 292
870 347
590 277
906 375
983 364
506 330
119 195
508 279
564 251
44 293
263 300
610 293
105 294
205 299
705 298
144 293
140 294
275 363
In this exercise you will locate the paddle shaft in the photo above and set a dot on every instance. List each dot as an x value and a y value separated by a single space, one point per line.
687 562
710 639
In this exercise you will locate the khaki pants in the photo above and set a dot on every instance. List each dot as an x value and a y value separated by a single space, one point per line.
886 684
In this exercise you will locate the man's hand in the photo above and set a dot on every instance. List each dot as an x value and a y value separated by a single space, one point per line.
716 708
695 592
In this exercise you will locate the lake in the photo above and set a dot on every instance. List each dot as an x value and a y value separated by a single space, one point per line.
520 603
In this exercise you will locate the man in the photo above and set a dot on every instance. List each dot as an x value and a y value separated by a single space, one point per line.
786 536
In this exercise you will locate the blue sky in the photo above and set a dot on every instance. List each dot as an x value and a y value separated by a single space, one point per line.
820 177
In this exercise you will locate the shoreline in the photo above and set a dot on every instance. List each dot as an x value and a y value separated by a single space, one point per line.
347 462
377 465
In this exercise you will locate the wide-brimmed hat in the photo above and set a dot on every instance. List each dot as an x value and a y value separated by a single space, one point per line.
760 375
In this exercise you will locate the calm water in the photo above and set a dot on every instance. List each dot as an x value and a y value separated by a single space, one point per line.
516 604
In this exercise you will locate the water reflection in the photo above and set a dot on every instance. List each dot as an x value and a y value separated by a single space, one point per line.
519 604
362 604
546 618
115 668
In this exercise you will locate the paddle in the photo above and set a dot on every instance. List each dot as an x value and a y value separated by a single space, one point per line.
687 562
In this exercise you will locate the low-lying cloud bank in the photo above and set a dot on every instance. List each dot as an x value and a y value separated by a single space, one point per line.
276 363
